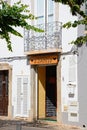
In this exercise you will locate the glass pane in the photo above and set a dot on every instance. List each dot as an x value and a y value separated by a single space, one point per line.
40 11
50 10
40 20
50 18
50 7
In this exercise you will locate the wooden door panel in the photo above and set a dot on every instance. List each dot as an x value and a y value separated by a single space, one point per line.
41 92
3 93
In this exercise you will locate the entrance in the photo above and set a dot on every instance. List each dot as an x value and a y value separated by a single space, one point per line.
3 92
47 92
51 92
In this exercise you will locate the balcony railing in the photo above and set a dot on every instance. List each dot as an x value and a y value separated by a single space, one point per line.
49 39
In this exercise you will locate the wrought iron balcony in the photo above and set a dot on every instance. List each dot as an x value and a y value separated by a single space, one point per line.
49 40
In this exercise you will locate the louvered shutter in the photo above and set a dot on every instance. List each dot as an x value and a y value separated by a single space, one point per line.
25 90
19 80
22 95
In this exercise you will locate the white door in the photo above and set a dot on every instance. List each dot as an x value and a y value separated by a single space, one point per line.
22 96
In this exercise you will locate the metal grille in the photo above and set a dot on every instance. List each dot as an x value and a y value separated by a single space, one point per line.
50 38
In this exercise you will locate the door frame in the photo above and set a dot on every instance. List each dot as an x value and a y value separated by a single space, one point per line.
59 103
5 66
58 78
41 86
34 92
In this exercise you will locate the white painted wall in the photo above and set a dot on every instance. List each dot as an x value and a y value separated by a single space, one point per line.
68 35
17 42
19 67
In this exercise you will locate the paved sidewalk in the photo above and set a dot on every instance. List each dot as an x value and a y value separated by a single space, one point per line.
49 127
13 127
16 125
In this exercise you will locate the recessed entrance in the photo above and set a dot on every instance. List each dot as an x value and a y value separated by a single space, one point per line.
47 92
51 95
3 92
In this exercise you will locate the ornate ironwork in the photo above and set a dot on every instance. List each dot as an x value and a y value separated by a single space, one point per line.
50 38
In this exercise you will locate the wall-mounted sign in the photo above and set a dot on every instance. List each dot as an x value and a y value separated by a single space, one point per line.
73 111
44 59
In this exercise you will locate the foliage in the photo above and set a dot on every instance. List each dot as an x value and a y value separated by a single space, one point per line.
14 16
75 7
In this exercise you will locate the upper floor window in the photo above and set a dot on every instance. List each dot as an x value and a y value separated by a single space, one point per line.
45 11
50 10
40 11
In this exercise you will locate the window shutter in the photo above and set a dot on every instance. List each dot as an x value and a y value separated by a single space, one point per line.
22 96
19 95
25 90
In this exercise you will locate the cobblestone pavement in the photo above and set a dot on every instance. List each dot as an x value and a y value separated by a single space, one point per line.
17 125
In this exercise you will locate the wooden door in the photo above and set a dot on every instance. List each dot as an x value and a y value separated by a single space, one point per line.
4 93
41 92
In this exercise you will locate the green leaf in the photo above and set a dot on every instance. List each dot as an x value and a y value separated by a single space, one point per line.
67 25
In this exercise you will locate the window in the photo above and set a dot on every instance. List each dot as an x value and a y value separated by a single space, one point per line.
45 11
40 11
50 10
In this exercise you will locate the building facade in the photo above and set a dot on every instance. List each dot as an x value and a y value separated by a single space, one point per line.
41 78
